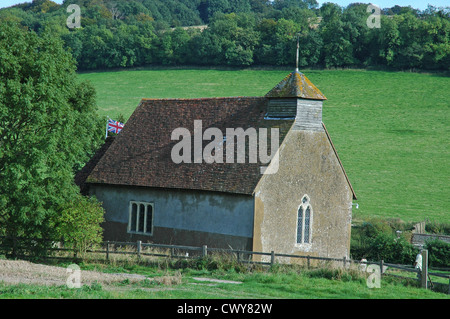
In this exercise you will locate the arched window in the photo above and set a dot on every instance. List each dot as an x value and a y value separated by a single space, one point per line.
304 218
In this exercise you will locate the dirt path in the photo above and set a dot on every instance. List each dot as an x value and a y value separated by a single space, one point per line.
220 281
25 272
18 271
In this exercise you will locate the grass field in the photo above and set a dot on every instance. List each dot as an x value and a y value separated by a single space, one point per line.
391 129
277 284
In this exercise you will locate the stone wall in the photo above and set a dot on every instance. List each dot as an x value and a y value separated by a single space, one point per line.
307 166
421 239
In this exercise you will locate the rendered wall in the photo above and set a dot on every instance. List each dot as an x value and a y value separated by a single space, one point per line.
180 217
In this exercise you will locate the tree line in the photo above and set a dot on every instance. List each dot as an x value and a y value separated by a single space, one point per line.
121 33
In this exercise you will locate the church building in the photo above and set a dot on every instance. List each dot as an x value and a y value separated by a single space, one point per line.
251 173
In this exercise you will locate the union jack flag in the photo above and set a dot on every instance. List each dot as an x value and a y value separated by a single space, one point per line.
114 126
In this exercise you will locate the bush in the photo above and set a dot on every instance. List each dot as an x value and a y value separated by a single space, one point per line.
391 249
79 224
376 239
438 253
434 227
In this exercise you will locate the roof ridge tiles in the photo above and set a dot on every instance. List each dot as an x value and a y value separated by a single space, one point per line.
202 98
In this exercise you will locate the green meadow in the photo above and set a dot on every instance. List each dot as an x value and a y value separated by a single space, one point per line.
278 283
391 129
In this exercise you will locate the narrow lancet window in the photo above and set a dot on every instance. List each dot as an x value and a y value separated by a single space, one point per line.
304 217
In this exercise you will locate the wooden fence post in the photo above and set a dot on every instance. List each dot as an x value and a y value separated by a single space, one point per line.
139 247
204 251
107 250
308 262
272 258
381 267
424 269
344 261
449 285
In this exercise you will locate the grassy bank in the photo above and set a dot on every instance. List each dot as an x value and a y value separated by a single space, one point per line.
278 282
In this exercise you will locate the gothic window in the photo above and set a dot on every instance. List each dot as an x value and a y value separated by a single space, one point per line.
304 218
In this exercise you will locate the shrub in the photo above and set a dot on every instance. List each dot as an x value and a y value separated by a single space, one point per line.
392 249
437 228
438 253
376 239
79 224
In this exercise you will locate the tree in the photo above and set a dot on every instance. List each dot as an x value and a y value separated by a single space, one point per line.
43 6
411 49
260 7
310 47
73 42
436 43
208 8
163 51
337 48
357 32
330 11
98 50
49 125
180 40
290 4
264 53
388 41
278 45
230 39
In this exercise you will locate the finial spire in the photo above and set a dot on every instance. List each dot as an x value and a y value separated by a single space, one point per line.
296 59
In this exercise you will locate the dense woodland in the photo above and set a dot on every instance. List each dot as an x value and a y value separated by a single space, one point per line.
131 33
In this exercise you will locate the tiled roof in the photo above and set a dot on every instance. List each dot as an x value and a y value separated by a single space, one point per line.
296 84
141 153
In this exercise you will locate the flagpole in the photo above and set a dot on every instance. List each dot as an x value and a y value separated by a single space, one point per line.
106 132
